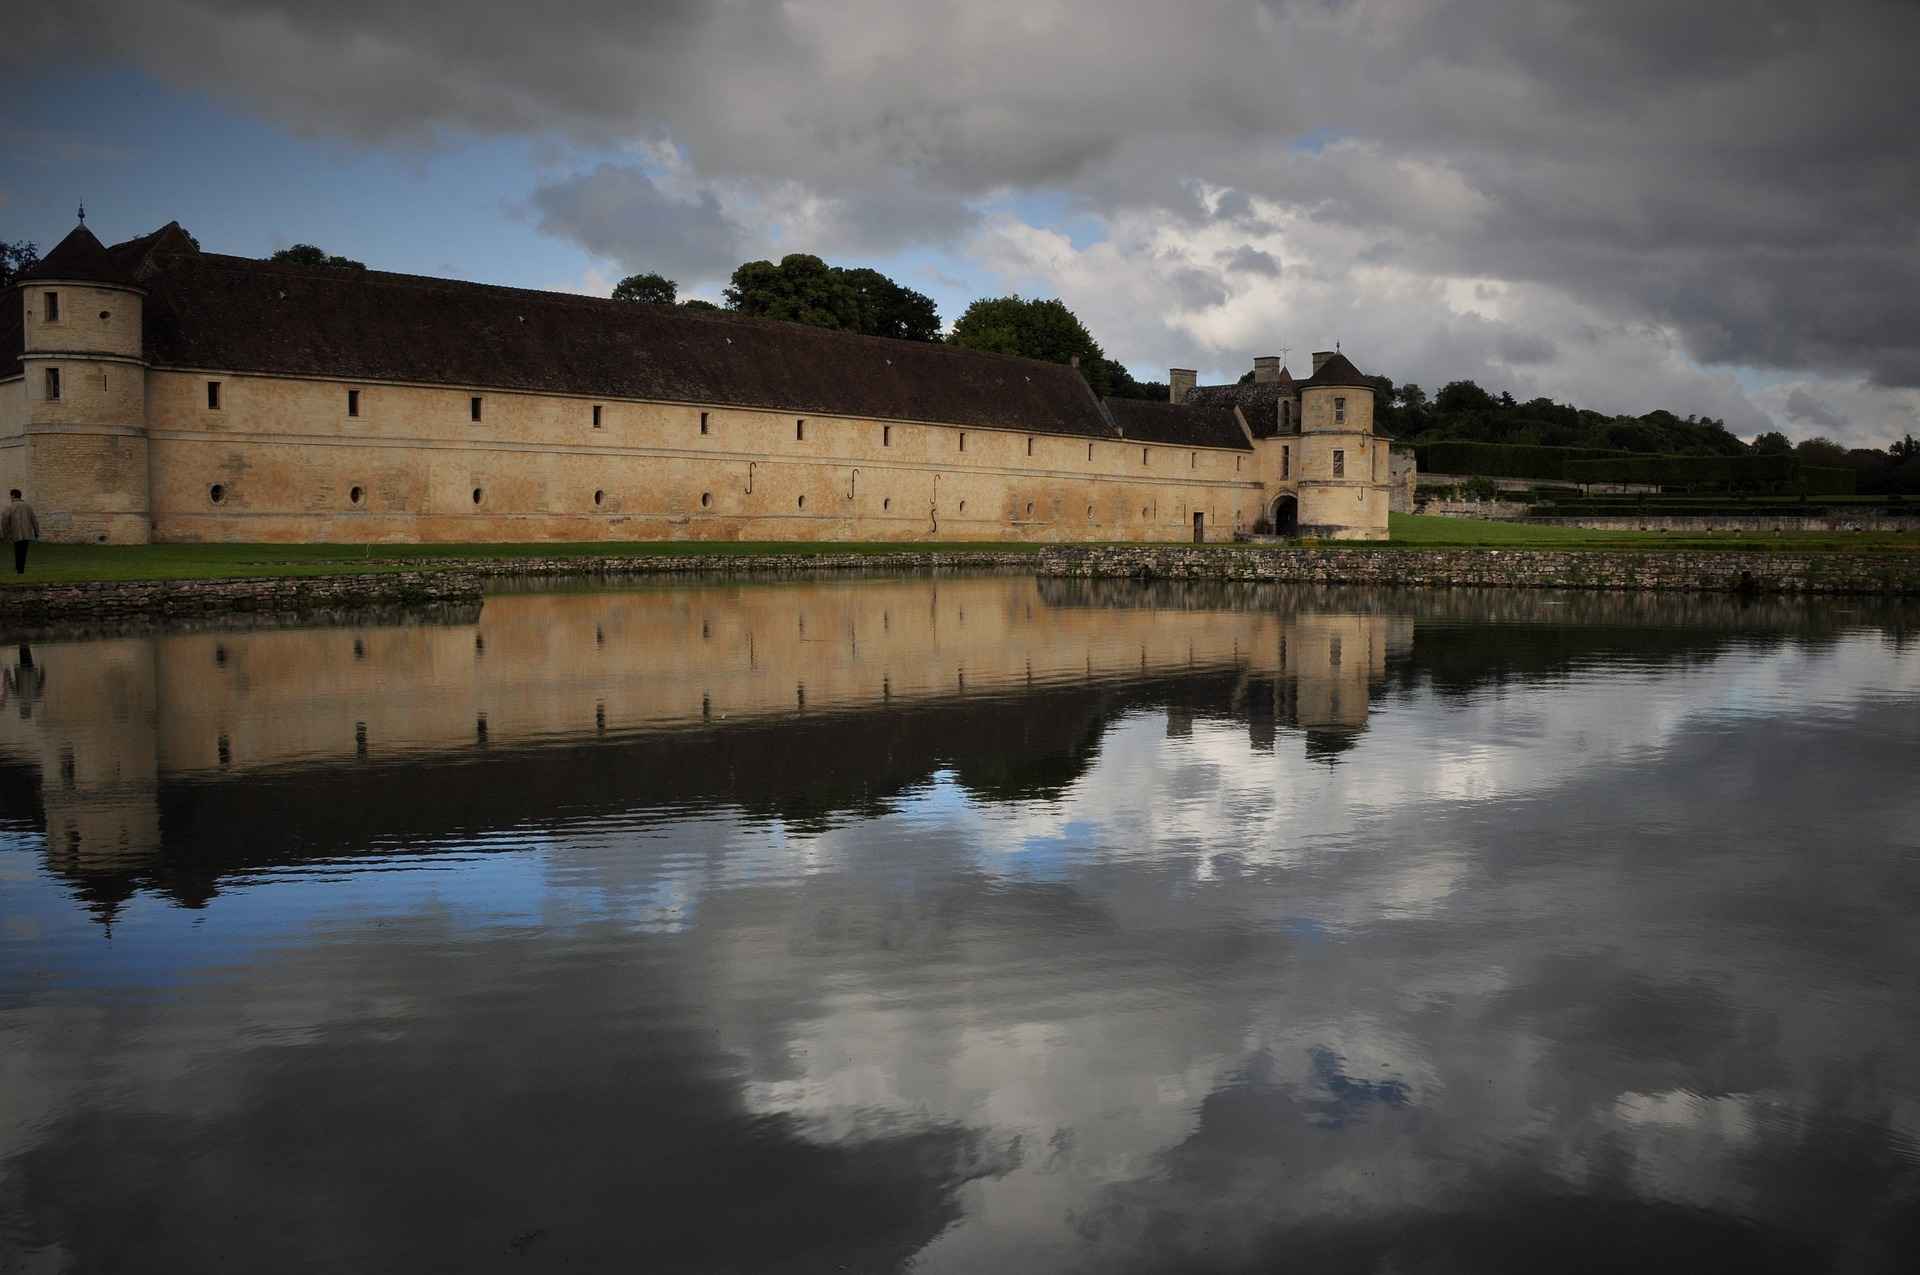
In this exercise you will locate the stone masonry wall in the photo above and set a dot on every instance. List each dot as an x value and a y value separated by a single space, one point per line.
1705 570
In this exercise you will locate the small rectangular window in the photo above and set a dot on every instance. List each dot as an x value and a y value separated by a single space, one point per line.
213 396
53 307
1339 463
886 435
1236 463
596 416
963 442
1029 445
1193 460
53 384
800 430
1339 410
353 402
703 423
1143 455
1286 462
473 408
1089 451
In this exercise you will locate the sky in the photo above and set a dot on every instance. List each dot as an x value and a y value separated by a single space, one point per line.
1711 208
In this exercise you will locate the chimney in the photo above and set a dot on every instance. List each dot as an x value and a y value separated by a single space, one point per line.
1320 358
1179 382
1266 369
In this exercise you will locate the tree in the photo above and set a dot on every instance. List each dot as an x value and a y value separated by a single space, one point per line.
653 289
1034 329
1773 443
805 289
1820 452
1462 396
306 254
695 303
15 260
1906 449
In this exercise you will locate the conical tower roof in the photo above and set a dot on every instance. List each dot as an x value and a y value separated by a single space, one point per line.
80 257
1338 370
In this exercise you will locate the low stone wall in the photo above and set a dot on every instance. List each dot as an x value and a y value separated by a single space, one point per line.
460 581
1485 510
1700 571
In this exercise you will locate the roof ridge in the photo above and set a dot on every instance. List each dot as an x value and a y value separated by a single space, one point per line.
395 278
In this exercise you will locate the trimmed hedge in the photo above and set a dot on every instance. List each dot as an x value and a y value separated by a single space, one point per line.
1502 460
1584 465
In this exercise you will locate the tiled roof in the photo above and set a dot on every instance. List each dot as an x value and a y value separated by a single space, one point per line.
244 315
81 257
1184 424
1258 401
1338 370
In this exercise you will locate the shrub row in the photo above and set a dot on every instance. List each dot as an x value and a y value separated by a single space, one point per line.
1588 465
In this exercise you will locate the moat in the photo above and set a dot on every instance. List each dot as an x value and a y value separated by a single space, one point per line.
968 923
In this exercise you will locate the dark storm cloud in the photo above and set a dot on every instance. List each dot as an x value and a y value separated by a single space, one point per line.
1737 170
1250 260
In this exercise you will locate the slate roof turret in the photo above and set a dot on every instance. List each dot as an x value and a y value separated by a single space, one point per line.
82 258
1340 371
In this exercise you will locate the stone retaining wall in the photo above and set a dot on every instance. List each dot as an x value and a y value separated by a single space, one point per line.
1838 521
1704 570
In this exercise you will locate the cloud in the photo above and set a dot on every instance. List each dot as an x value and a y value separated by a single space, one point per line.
1802 406
620 212
1733 180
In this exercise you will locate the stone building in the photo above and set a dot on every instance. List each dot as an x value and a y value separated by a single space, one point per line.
153 392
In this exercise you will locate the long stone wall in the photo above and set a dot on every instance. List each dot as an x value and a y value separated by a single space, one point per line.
1704 570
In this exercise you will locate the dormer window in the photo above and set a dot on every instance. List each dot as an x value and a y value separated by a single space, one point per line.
1339 411
53 307
53 385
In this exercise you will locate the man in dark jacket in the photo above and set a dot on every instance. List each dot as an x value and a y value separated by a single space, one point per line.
20 526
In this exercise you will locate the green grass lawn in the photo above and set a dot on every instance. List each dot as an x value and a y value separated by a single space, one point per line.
1426 531
66 564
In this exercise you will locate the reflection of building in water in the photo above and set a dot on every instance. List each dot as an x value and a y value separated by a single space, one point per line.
133 738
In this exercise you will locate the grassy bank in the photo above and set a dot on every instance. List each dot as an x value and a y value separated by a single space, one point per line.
68 564
1427 532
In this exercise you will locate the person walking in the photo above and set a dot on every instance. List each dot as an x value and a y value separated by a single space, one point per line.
22 529
20 526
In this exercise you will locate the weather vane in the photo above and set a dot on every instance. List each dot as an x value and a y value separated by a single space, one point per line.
83 212
1283 354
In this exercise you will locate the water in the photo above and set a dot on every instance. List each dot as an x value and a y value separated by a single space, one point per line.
968 924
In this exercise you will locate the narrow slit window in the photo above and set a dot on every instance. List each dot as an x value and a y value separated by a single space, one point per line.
1193 460
53 385
53 307
1286 462
473 410
213 396
1029 445
886 435
1143 455
1089 451
1339 463
703 423
1339 411
800 430
596 416
1236 463
353 402
963 442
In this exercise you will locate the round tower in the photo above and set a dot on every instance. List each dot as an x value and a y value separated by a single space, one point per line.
85 426
1343 480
